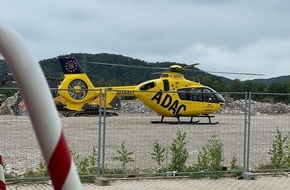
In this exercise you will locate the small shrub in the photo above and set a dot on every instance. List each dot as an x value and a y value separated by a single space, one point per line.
209 159
233 163
158 154
179 153
211 156
86 165
278 155
124 155
40 171
235 167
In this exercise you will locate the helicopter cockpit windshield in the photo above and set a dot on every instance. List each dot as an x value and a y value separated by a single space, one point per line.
200 94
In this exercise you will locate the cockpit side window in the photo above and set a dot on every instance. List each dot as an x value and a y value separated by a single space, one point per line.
209 96
148 86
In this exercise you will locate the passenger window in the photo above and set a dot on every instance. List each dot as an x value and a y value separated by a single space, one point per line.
190 94
164 75
148 86
196 95
184 94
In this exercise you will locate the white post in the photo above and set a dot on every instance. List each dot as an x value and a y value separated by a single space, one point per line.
41 108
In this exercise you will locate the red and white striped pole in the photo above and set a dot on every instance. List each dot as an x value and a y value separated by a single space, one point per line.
41 108
2 178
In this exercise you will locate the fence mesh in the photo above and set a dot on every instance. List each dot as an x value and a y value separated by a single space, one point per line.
133 128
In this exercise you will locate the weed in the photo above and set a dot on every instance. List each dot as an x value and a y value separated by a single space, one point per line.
235 167
158 153
278 151
86 165
209 159
179 153
124 155
40 171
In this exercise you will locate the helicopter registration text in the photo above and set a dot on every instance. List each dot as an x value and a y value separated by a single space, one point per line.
125 92
166 101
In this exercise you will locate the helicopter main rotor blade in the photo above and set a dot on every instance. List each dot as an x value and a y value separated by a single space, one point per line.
191 65
234 73
186 68
131 66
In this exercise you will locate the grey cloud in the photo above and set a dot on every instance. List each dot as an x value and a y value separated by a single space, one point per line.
223 35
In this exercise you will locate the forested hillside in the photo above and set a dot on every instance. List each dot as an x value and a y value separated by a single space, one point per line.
102 75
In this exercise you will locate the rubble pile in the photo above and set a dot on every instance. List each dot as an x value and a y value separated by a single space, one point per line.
231 107
13 105
238 106
134 106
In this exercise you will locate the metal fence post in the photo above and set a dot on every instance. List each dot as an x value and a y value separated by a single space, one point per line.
100 132
247 124
245 133
104 132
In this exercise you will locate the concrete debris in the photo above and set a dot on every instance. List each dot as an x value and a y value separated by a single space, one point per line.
257 108
231 107
134 106
13 105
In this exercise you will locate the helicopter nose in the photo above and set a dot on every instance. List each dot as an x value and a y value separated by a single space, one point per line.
221 100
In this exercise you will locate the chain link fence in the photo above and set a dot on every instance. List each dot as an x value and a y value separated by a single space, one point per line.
99 142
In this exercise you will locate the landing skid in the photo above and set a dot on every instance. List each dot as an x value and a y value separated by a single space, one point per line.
188 122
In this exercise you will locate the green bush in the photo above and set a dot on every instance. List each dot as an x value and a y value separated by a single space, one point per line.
179 153
280 151
210 158
211 155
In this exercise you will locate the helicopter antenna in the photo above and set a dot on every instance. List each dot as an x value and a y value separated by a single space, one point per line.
198 79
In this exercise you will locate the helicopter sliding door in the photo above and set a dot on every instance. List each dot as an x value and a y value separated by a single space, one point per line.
200 100
193 99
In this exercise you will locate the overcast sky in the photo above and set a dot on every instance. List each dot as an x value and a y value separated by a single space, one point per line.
223 35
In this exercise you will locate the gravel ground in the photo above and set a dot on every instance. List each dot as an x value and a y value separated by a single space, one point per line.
20 151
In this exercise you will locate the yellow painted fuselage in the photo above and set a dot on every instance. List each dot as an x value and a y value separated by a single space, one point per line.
170 96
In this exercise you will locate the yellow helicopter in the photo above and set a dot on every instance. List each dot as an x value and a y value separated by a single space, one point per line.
171 95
